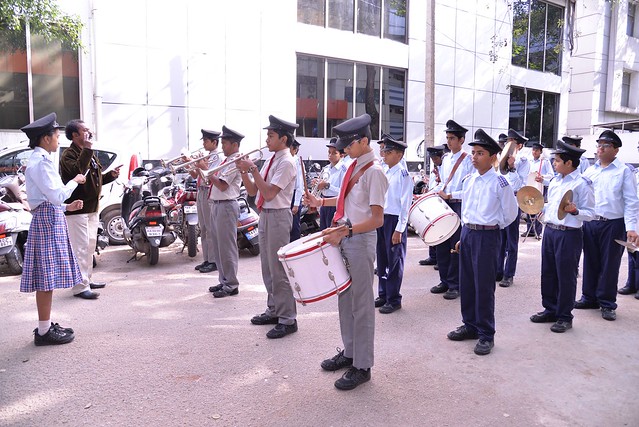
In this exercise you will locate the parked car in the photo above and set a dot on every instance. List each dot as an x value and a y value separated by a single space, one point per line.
12 158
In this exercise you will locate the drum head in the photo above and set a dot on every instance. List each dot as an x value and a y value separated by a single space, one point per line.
440 229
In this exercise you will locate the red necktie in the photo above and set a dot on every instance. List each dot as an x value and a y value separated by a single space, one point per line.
339 212
260 200
211 187
436 172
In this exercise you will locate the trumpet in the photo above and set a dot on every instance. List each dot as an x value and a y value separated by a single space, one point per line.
226 169
188 165
315 191
166 163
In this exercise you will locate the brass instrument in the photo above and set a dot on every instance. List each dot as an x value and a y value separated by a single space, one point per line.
530 200
315 191
509 150
166 163
189 165
226 169
565 201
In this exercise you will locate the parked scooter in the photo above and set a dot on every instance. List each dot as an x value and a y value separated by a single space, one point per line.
181 205
15 219
247 222
101 242
146 222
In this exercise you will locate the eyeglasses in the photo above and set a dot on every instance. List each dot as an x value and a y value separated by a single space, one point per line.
604 146
352 142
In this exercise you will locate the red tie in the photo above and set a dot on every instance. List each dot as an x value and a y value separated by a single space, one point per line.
260 200
339 212
211 187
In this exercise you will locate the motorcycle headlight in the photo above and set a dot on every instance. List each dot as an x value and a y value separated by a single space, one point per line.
10 223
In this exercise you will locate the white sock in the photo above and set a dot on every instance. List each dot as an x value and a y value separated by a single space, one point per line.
43 327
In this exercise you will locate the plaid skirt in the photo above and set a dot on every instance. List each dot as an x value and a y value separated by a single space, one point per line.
49 262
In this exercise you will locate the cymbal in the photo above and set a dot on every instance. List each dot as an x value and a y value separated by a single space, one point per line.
631 246
509 150
561 213
530 200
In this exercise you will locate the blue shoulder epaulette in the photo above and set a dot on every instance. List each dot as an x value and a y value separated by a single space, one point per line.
404 173
503 182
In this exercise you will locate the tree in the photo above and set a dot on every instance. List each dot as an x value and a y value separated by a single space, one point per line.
45 19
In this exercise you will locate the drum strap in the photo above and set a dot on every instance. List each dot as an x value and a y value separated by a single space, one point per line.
452 173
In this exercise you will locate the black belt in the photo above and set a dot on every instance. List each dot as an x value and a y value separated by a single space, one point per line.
223 201
454 200
601 218
561 227
481 227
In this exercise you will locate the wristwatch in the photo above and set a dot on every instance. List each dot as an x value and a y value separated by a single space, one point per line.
252 169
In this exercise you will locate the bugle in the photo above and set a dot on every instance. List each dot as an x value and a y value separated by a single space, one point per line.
166 163
230 166
189 165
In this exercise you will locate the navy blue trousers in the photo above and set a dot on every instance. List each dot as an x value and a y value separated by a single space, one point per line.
390 261
326 216
560 253
507 263
449 263
633 274
602 259
432 252
477 280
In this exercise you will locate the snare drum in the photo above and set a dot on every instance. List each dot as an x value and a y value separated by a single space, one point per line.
433 220
315 269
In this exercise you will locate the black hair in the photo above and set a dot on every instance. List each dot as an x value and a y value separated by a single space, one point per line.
458 134
289 136
565 157
72 127
34 142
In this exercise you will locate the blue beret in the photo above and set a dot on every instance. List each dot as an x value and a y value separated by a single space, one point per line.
517 136
228 133
454 127
484 140
279 124
610 136
351 129
41 126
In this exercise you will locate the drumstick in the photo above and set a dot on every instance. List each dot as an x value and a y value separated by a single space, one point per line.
330 231
304 176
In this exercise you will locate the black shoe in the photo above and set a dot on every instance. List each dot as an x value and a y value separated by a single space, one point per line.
339 361
216 288
389 308
462 333
543 317
57 326
379 302
561 326
506 283
608 314
197 267
428 261
499 278
88 295
224 293
436 267
583 304
352 378
281 330
626 290
264 319
439 289
451 294
211 266
54 336
97 285
482 348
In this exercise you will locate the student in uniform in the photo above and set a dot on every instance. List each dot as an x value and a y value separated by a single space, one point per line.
273 188
616 207
543 174
632 283
49 262
330 187
488 205
518 169
298 192
225 209
435 153
575 141
455 166
563 239
391 237
360 207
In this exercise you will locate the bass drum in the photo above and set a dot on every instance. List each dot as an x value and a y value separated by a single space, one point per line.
433 220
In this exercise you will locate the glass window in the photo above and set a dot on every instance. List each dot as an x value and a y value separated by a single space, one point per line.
520 32
393 90
311 12
552 60
537 36
625 90
369 17
340 14
517 108
630 24
367 95
10 163
534 112
339 89
549 118
395 20
14 90
310 96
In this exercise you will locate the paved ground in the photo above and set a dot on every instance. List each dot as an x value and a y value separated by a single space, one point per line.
158 349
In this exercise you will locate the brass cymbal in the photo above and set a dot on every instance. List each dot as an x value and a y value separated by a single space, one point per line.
509 150
530 200
561 213
631 246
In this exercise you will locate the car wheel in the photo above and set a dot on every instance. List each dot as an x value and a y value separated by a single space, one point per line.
114 226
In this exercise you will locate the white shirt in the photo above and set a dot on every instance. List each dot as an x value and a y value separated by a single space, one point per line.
44 182
399 195
488 199
432 178
335 178
299 182
233 179
546 170
615 192
582 195
282 175
454 187
517 179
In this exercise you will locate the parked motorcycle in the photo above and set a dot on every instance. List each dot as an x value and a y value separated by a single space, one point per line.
101 242
247 222
15 219
181 204
146 222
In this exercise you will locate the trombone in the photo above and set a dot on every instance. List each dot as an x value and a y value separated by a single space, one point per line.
226 169
188 165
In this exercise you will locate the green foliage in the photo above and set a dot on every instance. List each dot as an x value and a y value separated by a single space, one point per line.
45 19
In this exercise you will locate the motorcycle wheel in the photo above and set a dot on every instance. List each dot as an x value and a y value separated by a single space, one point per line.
154 255
15 261
254 250
191 240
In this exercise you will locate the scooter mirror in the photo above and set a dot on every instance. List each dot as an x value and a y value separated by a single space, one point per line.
316 166
148 166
